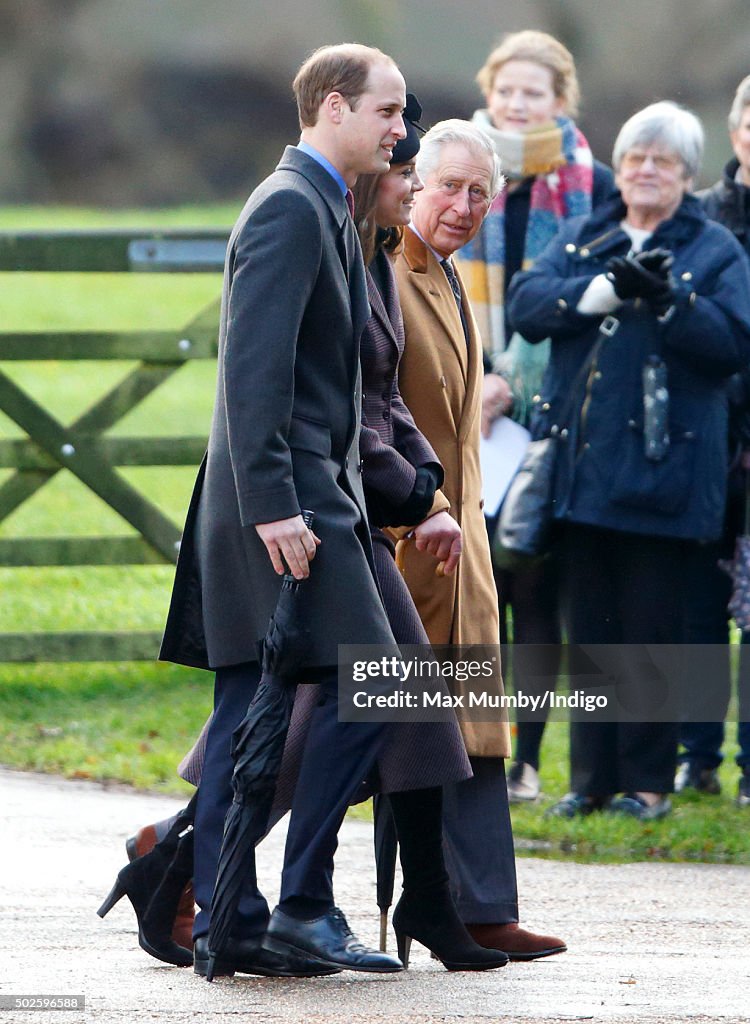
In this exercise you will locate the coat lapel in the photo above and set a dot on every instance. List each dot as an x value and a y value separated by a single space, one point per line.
429 279
475 369
385 317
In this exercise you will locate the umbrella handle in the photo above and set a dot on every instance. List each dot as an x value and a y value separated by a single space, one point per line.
383 930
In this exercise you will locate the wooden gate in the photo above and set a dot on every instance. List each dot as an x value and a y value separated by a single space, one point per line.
81 447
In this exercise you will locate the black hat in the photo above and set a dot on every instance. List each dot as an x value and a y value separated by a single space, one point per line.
406 149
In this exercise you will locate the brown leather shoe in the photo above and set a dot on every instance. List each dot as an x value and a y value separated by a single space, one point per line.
143 842
517 942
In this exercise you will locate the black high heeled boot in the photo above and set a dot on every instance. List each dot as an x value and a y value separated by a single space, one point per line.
154 885
426 911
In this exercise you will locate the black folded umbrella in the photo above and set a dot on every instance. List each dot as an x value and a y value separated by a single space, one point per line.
386 850
257 749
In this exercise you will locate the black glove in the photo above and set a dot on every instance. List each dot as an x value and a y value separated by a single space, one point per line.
419 502
657 261
633 280
380 512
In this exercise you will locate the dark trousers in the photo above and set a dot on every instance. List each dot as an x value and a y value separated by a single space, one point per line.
337 756
707 622
622 588
478 843
529 604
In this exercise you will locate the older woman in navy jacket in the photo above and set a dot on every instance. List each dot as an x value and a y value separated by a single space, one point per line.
646 280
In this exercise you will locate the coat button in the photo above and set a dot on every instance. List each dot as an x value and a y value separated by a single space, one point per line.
598 375
346 462
359 467
570 247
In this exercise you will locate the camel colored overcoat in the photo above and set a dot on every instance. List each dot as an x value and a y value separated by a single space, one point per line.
440 379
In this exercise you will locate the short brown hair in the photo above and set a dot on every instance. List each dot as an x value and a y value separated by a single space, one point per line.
540 48
342 68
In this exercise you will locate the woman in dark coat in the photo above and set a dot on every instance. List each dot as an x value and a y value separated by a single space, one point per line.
670 291
400 474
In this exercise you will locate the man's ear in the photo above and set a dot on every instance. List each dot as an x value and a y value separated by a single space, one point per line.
333 107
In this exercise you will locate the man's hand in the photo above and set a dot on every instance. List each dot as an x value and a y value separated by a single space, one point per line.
289 543
497 399
440 536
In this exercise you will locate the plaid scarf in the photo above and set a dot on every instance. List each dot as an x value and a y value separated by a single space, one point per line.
558 157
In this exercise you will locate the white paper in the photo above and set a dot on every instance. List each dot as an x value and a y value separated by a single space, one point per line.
500 455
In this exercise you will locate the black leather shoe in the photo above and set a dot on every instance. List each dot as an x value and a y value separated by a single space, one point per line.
327 940
575 805
249 957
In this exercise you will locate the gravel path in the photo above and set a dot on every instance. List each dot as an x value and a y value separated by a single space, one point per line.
648 943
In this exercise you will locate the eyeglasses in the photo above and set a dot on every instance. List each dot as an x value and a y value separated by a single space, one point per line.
634 159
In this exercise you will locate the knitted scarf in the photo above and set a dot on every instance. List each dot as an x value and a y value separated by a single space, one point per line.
558 157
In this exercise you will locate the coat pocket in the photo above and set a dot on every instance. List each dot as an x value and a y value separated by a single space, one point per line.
660 487
309 436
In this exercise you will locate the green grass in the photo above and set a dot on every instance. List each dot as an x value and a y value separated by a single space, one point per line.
106 722
700 828
133 723
78 218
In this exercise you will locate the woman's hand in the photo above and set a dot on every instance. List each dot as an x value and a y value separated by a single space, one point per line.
645 276
440 536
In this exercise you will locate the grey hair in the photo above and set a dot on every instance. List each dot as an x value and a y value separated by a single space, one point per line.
454 131
667 124
741 100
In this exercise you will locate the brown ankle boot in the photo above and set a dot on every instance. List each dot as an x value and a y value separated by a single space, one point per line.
517 942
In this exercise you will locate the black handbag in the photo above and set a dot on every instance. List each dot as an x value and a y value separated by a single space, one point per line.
525 525
524 528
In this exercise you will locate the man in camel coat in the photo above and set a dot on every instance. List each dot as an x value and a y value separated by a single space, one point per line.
440 378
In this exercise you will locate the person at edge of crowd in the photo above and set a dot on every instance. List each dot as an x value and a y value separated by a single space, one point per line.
417 755
440 379
531 92
645 283
294 306
707 596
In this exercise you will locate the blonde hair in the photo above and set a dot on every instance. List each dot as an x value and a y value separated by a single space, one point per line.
543 49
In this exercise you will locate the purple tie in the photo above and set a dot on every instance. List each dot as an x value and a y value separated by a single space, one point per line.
350 201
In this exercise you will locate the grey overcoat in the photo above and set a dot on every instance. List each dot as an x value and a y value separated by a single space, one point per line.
285 432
